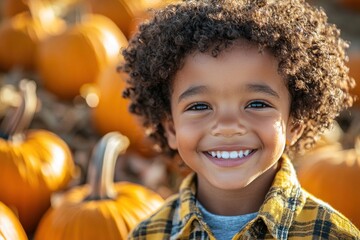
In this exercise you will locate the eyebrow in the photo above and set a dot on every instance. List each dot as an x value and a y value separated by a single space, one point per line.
262 88
191 91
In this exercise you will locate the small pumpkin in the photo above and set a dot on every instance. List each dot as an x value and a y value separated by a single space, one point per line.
10 227
19 39
67 61
33 163
333 176
111 113
100 209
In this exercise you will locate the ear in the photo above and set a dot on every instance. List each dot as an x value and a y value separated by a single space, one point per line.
170 133
293 132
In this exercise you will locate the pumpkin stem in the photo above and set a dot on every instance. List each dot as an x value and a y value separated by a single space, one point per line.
14 124
102 164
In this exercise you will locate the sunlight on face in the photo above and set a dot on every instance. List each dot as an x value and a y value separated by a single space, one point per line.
230 116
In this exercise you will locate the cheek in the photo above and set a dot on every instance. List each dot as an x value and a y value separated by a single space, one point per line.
187 136
279 129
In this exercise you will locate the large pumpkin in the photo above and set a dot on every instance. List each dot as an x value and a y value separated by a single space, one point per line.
112 113
33 163
10 227
67 61
19 39
334 176
100 209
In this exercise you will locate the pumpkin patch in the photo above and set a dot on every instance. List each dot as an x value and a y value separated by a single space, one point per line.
72 56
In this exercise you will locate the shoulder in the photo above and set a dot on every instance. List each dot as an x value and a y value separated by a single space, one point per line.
159 224
324 221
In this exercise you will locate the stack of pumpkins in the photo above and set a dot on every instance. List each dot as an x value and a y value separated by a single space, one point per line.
70 44
35 164
36 36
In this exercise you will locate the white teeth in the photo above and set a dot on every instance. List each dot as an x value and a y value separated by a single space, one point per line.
232 154
225 155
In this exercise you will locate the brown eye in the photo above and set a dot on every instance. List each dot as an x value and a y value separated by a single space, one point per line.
258 104
198 107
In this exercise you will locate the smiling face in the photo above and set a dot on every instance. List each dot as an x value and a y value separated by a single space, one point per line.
230 116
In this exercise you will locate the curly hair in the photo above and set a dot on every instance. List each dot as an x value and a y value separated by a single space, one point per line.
311 57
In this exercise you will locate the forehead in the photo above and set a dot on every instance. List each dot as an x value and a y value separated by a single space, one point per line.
240 53
240 65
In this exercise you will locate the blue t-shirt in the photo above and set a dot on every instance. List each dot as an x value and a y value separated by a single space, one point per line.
225 227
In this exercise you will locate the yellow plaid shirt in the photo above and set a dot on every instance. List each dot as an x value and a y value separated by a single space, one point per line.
288 212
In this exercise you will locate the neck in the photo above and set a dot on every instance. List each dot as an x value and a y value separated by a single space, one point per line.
238 201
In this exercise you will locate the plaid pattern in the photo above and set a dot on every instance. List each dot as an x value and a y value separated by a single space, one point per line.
288 212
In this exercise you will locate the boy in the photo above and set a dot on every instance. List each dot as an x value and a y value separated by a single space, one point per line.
234 87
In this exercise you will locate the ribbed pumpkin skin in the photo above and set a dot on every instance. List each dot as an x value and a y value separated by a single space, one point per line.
67 61
109 219
336 180
30 171
112 113
10 227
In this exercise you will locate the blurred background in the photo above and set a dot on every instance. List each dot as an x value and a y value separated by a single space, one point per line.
67 51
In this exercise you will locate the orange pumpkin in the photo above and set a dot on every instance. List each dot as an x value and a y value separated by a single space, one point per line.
334 176
67 61
10 227
19 38
354 66
100 209
112 113
33 163
124 12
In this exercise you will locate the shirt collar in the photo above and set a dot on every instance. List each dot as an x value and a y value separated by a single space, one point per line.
282 203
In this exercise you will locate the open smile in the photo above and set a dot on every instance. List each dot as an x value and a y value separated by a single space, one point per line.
230 154
229 158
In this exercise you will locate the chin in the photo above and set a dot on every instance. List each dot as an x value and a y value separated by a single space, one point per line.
230 184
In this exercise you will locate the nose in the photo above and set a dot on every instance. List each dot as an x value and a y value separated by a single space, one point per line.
228 123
